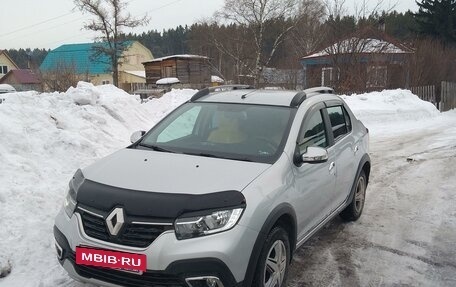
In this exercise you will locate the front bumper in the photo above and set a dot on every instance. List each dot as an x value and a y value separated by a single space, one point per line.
170 261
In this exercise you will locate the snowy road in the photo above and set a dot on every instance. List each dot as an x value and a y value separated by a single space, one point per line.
407 234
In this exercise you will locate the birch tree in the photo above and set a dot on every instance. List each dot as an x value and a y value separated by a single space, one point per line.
255 16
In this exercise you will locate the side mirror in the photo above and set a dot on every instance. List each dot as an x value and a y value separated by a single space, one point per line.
136 136
315 155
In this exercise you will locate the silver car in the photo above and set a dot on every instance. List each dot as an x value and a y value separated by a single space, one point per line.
221 192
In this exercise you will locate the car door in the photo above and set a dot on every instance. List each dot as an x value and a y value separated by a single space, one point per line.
344 151
314 182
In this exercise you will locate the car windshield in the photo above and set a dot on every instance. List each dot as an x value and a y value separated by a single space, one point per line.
221 130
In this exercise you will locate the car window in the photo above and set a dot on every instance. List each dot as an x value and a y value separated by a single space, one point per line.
338 117
181 126
314 133
224 130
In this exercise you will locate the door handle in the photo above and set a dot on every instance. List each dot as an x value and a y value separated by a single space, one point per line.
356 149
332 165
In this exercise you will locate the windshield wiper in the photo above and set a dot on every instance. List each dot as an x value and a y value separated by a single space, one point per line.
156 148
222 157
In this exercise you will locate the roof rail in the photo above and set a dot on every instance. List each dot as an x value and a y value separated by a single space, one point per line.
207 91
302 96
298 99
319 90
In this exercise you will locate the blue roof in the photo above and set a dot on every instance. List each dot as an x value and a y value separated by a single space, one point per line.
82 56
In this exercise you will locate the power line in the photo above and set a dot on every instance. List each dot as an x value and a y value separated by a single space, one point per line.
36 24
72 12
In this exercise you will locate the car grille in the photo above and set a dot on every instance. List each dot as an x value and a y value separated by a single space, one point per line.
149 278
131 234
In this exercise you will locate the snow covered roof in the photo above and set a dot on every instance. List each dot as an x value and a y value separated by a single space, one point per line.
183 56
168 81
141 74
216 79
360 45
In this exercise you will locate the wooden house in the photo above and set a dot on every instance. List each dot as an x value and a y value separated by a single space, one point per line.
192 71
368 61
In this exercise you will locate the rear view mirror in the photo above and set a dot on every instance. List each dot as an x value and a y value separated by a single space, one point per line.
136 136
315 155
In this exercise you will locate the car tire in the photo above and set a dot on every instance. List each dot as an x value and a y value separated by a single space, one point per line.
354 210
272 268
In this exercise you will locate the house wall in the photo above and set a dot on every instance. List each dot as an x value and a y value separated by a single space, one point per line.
134 56
98 79
6 61
193 72
356 77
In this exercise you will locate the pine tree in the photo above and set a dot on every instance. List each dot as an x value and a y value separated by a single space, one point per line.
437 18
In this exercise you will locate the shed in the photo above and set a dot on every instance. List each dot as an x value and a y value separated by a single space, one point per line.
193 71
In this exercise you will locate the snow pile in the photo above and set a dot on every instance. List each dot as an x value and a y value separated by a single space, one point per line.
168 81
44 139
391 111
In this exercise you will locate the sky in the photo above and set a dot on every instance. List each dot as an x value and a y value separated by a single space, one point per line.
51 23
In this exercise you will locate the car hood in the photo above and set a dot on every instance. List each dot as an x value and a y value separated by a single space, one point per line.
172 173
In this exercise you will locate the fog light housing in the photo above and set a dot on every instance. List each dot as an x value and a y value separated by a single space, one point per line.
59 250
204 281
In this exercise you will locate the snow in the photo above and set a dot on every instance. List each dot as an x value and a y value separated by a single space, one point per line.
357 45
141 74
216 79
5 88
168 81
391 111
407 230
182 56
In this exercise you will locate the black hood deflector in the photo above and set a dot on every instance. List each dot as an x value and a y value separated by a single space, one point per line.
150 204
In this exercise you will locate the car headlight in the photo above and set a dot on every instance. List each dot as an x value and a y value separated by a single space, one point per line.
217 221
69 203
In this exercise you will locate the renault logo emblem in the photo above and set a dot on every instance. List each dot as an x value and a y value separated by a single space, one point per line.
115 221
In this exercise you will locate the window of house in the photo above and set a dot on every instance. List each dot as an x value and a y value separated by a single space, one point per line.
106 82
327 76
340 121
3 69
377 76
314 133
168 72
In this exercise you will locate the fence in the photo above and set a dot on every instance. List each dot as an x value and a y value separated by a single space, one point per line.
448 96
426 93
444 100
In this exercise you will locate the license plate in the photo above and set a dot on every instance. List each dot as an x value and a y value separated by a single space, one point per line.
123 261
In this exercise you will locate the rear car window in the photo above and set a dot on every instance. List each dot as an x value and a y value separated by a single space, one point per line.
340 121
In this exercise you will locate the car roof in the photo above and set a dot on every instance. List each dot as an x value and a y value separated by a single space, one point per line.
248 95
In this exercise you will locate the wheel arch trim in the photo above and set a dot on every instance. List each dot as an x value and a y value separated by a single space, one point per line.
284 209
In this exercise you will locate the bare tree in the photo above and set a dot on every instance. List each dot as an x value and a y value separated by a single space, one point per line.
61 77
109 20
255 15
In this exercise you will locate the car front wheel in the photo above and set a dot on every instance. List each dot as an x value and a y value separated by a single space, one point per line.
274 259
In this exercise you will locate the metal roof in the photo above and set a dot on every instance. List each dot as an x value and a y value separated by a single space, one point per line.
80 56
22 76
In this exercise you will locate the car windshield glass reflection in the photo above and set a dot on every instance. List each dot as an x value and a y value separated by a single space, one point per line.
230 131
